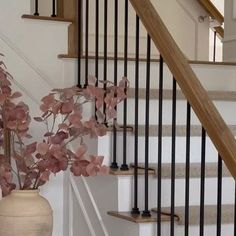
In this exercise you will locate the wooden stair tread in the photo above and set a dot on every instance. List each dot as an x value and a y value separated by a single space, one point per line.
210 214
193 62
211 170
129 172
121 128
167 94
109 58
196 130
138 218
47 18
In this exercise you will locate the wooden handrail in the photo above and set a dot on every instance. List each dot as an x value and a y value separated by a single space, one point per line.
219 31
212 10
194 92
68 9
214 14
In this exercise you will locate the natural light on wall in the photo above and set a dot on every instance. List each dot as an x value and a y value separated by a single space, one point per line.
219 47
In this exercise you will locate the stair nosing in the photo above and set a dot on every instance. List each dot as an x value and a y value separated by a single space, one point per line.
46 18
196 130
211 170
138 218
191 62
210 214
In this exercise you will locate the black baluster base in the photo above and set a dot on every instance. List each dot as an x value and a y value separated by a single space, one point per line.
146 213
36 14
135 211
53 15
124 167
114 165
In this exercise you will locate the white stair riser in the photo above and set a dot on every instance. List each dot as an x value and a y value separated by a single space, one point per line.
225 108
105 148
213 77
126 191
150 229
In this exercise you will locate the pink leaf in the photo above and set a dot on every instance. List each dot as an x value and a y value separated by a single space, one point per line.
92 80
67 107
59 137
63 126
48 134
45 175
104 170
92 169
28 136
2 99
81 151
56 108
16 95
39 119
63 164
23 126
31 148
97 159
11 124
101 130
42 148
6 90
78 168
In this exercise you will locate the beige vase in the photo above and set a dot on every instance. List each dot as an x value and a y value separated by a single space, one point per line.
25 213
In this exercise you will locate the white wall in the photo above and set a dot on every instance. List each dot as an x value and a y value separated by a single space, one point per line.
180 17
45 7
31 48
229 42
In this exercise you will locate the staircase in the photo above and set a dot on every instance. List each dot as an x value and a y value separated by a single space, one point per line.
164 164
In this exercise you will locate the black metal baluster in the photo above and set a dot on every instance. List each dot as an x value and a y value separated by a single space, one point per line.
188 130
159 166
96 45
135 209
219 196
53 8
124 165
86 41
214 47
79 33
105 54
173 149
146 212
202 186
114 163
96 39
36 13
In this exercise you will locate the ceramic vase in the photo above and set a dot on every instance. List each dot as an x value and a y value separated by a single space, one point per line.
25 213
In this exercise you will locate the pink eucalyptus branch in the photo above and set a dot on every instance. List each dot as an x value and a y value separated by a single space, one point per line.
36 161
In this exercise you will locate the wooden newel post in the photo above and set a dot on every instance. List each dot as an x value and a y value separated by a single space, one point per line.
60 8
70 11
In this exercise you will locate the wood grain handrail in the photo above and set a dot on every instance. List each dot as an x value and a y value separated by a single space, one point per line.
194 92
219 31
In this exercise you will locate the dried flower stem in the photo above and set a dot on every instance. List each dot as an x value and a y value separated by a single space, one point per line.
7 137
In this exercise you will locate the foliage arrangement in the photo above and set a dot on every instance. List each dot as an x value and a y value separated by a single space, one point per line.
28 165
